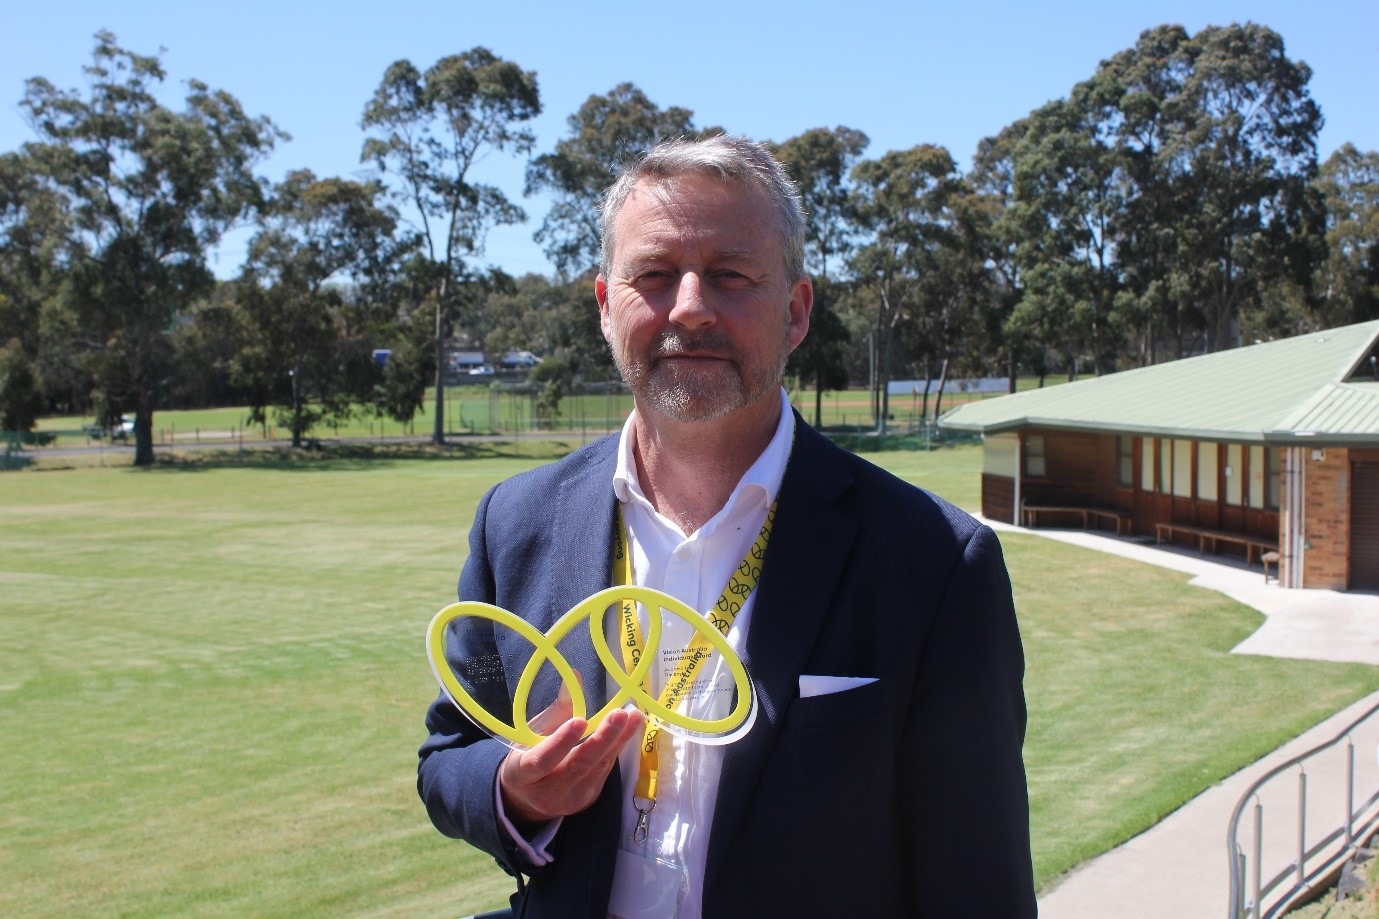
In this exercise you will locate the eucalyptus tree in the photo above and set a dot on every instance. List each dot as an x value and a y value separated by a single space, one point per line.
1068 193
957 290
430 130
21 390
148 190
992 183
1168 194
821 160
1138 94
1243 139
1349 182
901 202
605 132
33 224
304 341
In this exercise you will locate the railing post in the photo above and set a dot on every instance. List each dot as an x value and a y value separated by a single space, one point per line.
1349 792
1238 907
1259 854
1302 826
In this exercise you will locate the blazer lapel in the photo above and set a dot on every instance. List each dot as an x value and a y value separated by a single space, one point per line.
581 559
809 543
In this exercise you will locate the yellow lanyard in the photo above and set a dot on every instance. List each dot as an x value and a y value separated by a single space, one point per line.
723 614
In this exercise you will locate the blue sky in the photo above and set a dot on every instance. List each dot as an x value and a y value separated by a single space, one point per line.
905 73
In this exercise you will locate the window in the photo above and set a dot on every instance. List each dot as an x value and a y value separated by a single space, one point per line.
1206 471
1273 477
998 454
1147 464
1034 456
1165 467
1257 474
1235 474
1182 468
1125 461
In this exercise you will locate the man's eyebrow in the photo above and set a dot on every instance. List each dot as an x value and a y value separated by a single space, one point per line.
642 256
635 261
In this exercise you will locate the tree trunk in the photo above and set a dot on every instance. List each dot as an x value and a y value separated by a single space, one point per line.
942 379
143 431
438 429
296 408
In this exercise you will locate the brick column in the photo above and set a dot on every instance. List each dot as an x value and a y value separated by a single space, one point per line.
1327 523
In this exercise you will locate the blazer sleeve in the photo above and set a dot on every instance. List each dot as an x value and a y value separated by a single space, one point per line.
458 763
961 749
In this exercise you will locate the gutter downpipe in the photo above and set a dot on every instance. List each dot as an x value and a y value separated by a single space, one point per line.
1295 524
1019 474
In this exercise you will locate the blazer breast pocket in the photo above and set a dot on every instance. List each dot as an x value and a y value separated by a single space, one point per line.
839 708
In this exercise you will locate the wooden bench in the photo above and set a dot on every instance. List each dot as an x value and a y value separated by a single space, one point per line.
1087 514
1205 536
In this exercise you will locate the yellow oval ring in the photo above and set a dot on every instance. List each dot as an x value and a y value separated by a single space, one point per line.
629 682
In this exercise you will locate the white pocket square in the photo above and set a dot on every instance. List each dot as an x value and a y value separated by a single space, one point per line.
825 685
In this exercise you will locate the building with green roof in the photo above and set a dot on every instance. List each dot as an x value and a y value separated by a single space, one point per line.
1268 448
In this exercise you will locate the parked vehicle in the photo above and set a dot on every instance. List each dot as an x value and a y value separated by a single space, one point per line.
121 430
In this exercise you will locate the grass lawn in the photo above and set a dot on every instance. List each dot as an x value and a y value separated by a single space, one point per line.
212 683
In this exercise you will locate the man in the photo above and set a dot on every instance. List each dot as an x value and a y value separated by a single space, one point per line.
883 773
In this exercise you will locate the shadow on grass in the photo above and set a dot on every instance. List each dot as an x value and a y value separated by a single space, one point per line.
358 456
850 437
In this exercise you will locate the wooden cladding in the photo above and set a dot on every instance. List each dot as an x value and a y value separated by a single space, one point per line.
998 497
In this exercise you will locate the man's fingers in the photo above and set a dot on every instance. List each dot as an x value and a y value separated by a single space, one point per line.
559 775
547 756
595 757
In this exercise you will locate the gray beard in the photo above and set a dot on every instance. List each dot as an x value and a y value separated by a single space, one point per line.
702 394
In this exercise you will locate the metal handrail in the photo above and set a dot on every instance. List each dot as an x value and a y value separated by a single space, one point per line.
1351 830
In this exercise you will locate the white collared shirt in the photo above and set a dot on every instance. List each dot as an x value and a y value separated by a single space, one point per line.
694 569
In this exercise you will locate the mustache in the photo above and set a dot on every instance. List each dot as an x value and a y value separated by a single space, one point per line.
710 341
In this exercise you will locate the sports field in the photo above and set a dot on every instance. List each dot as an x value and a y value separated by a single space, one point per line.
212 682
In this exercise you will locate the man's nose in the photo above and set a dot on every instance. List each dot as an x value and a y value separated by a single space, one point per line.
691 308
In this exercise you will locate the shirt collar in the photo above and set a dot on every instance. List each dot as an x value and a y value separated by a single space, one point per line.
761 481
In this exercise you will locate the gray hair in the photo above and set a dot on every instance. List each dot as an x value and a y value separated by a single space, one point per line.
730 158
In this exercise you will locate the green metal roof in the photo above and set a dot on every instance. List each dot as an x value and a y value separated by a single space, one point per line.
1313 388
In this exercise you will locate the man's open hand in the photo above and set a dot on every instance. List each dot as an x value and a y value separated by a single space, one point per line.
561 776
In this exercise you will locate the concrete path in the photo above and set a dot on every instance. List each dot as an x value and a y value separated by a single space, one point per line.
1179 869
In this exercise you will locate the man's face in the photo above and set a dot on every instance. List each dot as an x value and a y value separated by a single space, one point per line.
696 307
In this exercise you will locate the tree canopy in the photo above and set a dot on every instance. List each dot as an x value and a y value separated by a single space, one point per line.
1171 203
147 192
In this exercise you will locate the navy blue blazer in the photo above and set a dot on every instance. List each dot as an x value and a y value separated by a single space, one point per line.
903 797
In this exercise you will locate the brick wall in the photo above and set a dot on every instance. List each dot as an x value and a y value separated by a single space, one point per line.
1327 519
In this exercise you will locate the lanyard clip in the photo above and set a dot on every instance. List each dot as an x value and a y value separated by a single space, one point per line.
639 831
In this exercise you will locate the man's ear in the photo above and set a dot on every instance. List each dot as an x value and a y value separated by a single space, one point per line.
601 295
801 305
